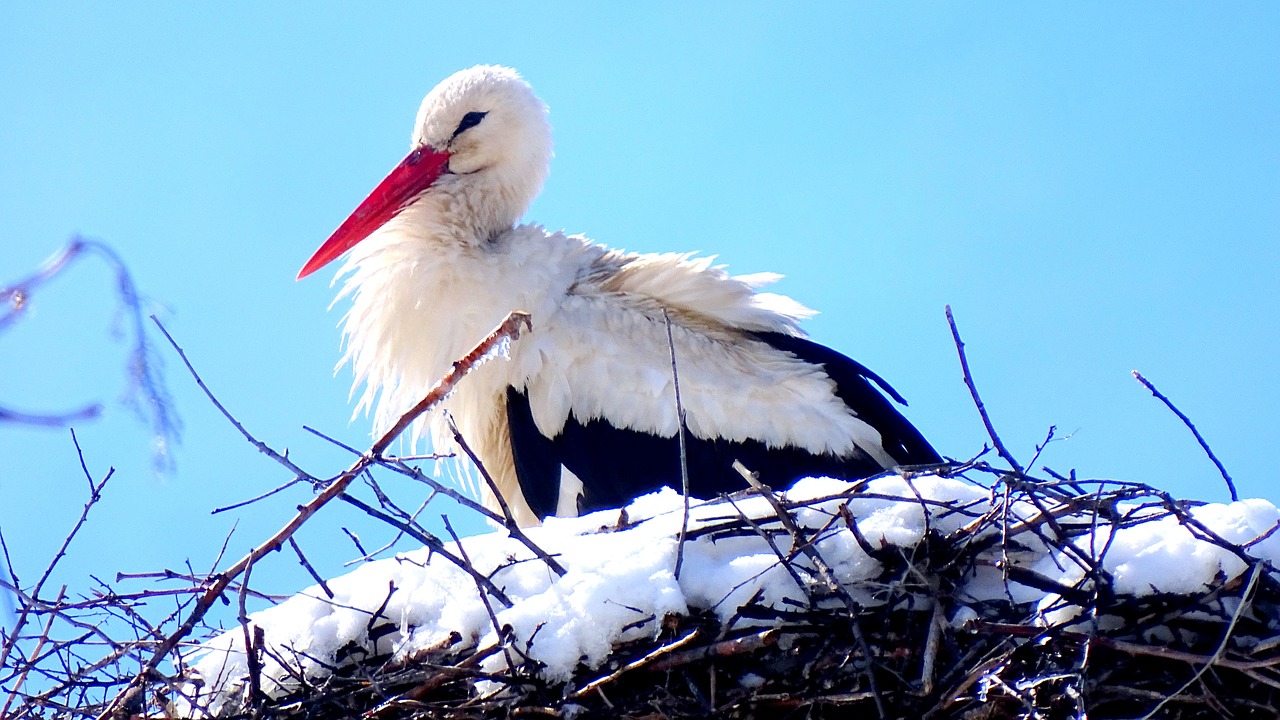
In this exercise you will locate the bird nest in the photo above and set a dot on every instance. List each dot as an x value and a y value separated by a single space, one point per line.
967 590
963 622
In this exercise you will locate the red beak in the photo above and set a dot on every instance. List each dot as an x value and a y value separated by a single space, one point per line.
415 173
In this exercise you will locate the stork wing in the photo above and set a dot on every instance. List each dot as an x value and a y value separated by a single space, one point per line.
617 464
899 438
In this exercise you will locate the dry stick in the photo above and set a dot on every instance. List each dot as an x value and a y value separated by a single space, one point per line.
397 464
356 541
431 541
724 648
649 659
932 642
367 555
798 542
261 446
509 329
44 637
509 520
977 400
444 675
250 652
684 459
1245 601
1131 648
501 636
783 560
1187 421
95 494
302 559
252 500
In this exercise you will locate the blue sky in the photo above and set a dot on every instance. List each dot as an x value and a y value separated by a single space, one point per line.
1092 189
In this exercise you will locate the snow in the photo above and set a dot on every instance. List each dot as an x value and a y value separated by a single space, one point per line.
1165 555
619 582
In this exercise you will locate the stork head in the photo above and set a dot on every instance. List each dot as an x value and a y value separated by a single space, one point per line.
481 145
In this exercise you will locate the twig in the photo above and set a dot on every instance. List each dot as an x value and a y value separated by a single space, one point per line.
355 540
509 520
1245 601
261 446
143 367
312 571
431 541
32 662
498 630
644 661
799 542
256 498
977 400
1231 486
684 459
832 586
88 412
724 648
932 642
95 494
783 560
397 464
250 647
508 330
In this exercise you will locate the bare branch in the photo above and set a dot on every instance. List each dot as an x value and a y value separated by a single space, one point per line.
977 400
505 332
684 460
1231 486
144 367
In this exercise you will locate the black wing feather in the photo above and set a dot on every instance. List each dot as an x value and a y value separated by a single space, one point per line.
900 438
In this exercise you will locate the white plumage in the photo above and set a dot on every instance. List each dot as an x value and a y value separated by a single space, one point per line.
437 261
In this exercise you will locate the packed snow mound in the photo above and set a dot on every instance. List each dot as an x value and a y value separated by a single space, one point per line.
620 582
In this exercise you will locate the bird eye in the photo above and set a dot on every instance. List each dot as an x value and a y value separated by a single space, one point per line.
469 121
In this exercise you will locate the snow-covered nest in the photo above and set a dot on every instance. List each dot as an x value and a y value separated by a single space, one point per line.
929 596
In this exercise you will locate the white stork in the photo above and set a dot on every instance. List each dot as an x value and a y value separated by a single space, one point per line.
582 416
